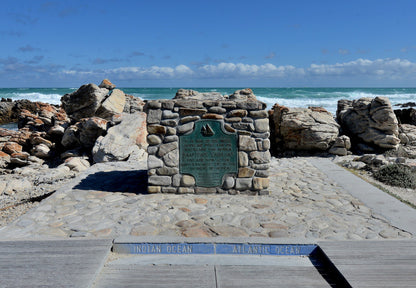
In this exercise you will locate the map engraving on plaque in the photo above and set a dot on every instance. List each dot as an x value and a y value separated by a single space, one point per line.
208 153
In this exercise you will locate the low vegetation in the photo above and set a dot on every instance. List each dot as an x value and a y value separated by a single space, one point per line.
396 175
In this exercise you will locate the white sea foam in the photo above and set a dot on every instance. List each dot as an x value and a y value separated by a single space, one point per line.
41 97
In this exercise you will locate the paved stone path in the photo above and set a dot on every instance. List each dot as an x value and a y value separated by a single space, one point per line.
110 200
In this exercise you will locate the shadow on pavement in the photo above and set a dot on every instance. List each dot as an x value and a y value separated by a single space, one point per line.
134 181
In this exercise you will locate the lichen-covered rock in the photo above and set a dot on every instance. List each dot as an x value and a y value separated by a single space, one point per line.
107 84
369 120
84 102
122 140
133 104
303 129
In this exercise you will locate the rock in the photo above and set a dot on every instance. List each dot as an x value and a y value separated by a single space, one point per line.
107 84
133 104
4 159
84 102
42 117
370 121
12 147
16 186
112 105
303 129
121 140
341 146
192 94
6 113
77 164
71 137
406 116
20 158
245 94
41 151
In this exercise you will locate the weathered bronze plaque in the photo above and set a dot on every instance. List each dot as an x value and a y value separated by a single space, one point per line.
208 153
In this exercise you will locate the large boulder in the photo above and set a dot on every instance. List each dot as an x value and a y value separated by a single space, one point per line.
122 140
112 105
369 121
312 128
406 116
84 133
84 102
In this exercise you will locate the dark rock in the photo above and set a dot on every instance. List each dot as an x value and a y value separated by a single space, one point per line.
406 116
84 102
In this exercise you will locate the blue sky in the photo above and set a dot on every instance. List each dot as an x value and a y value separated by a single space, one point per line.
224 43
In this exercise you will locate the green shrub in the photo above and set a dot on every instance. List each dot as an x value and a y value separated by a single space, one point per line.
396 175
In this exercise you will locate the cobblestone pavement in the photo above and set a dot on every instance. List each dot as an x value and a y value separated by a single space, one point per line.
109 200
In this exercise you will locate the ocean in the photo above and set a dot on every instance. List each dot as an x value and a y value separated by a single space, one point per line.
290 97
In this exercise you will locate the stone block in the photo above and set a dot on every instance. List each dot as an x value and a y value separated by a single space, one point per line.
229 182
260 157
204 190
171 159
242 159
243 183
160 180
217 110
154 162
238 113
166 148
171 190
247 143
154 116
186 190
246 172
167 171
187 180
154 189
260 183
188 119
153 139
212 116
185 128
259 114
166 114
171 138
262 125
156 129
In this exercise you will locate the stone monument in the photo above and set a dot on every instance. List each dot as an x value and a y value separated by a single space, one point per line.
208 143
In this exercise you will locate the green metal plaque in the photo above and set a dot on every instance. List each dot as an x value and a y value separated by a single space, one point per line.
208 153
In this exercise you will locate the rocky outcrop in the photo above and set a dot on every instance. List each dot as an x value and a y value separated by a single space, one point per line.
84 102
370 121
406 116
133 104
122 140
10 110
112 105
84 133
303 129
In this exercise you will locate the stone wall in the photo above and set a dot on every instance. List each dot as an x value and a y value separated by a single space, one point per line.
240 114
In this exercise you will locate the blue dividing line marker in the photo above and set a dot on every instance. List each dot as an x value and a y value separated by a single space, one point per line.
216 249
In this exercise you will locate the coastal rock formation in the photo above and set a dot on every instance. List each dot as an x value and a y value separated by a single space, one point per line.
303 129
84 102
406 116
84 133
107 84
341 146
133 104
370 121
112 105
10 110
122 140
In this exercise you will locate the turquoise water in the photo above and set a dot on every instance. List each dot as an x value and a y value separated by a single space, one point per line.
291 97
